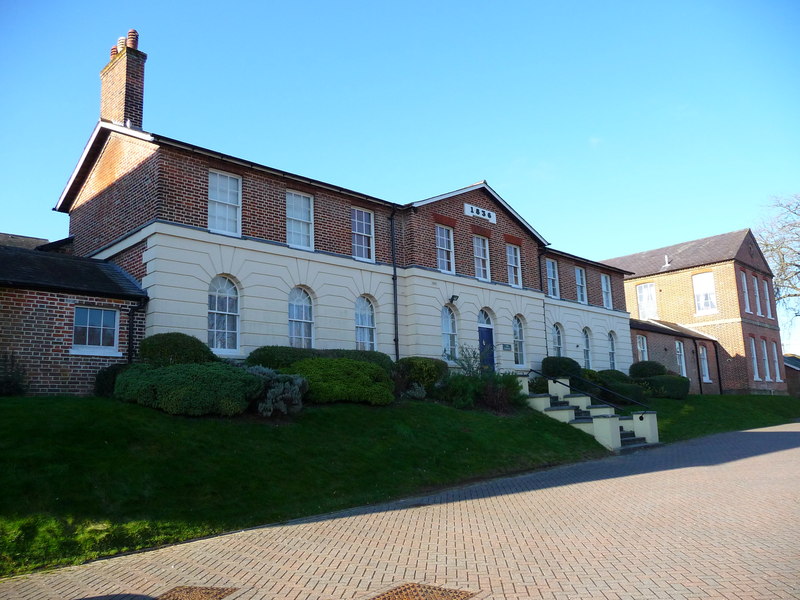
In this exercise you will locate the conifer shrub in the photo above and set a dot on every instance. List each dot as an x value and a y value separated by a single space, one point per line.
174 348
560 366
345 380
283 394
419 372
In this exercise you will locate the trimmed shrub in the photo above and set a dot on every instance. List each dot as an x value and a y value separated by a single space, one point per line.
345 380
190 389
283 357
12 376
560 366
282 393
419 371
174 348
106 379
609 375
647 368
668 386
625 390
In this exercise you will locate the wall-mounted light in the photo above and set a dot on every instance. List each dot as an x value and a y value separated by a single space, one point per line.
453 298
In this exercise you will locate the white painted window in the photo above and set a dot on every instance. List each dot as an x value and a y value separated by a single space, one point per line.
705 296
681 357
444 249
580 285
449 334
612 350
757 296
514 265
558 340
767 299
301 319
224 203
765 361
745 293
646 296
587 348
480 251
363 234
95 331
300 220
605 284
704 372
776 366
641 347
552 278
754 359
223 314
365 324
519 341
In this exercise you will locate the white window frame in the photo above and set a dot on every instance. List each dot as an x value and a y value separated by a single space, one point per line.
757 297
680 356
449 335
641 347
558 340
362 234
775 364
223 315
605 284
305 226
646 301
99 349
745 293
765 361
552 278
767 299
514 261
754 359
365 324
705 294
704 372
445 254
218 204
301 318
480 253
581 292
518 332
587 348
612 350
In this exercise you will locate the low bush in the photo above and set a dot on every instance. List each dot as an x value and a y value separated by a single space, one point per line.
106 379
282 393
667 386
283 357
624 392
345 380
609 375
560 366
491 391
538 385
419 372
460 390
12 376
174 348
647 368
190 389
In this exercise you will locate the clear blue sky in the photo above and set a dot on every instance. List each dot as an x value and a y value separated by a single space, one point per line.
612 127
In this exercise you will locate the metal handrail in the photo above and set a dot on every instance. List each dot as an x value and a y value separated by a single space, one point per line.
592 396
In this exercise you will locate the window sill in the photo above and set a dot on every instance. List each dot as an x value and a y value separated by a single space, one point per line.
707 381
307 248
365 260
237 234
90 351
706 313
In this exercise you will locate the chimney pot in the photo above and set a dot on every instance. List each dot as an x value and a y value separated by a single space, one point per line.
113 51
120 44
133 39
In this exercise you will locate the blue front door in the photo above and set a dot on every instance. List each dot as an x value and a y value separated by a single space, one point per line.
486 347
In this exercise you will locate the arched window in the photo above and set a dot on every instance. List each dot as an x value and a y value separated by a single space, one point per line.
484 320
612 350
587 348
558 340
519 341
301 319
365 324
449 334
223 314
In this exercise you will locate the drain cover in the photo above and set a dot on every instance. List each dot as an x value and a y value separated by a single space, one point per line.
418 591
186 592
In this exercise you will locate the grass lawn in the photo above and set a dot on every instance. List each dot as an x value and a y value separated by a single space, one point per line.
85 477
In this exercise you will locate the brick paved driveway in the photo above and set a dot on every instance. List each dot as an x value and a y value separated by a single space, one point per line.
717 517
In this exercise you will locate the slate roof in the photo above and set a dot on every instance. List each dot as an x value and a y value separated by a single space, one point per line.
705 251
55 272
792 361
20 241
668 328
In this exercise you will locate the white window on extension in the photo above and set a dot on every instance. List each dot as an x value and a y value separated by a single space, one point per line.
705 296
224 203
552 278
605 284
646 296
363 235
95 331
300 220
580 285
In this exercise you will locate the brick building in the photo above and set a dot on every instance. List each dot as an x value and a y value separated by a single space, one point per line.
243 255
720 287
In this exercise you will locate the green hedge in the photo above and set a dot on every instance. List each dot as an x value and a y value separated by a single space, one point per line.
106 379
163 349
420 370
344 380
667 386
283 357
495 392
647 368
190 389
560 366
630 391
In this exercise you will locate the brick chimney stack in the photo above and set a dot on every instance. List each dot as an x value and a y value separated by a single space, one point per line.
122 83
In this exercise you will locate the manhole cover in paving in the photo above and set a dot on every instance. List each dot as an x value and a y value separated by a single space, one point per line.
186 592
418 591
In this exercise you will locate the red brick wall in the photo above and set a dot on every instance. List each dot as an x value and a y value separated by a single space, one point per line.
567 282
132 261
37 327
122 88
